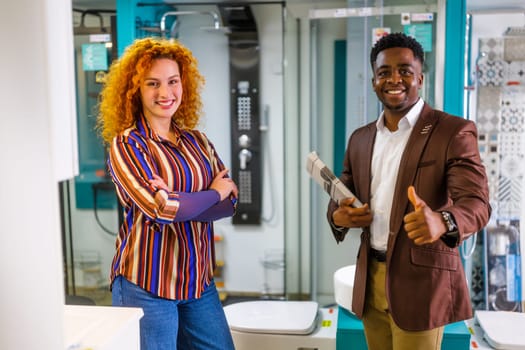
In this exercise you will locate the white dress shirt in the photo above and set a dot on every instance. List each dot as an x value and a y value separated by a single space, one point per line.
388 149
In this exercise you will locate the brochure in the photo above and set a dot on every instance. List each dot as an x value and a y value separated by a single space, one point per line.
327 180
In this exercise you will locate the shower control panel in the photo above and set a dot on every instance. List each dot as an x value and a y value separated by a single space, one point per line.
246 154
244 106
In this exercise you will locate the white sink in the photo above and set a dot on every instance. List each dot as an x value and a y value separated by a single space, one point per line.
344 286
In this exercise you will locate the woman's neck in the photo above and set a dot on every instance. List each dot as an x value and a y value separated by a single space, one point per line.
161 127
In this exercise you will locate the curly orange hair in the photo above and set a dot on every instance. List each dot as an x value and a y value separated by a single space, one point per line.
120 104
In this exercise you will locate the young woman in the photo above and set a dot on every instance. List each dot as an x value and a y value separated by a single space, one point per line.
172 185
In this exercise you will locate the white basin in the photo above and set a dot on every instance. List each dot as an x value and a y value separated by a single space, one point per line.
273 316
344 286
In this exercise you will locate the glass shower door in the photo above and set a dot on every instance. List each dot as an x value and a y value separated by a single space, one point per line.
342 99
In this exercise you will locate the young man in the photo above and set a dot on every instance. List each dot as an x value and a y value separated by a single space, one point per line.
420 174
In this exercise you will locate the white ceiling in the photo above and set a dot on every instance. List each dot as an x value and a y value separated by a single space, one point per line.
472 5
487 5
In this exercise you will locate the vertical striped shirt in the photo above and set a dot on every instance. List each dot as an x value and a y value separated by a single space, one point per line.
165 244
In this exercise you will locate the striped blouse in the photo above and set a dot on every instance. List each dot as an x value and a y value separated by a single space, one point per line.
165 244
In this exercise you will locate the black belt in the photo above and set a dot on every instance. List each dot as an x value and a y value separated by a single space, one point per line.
379 255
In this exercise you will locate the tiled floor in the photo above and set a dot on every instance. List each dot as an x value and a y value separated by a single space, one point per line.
81 296
102 297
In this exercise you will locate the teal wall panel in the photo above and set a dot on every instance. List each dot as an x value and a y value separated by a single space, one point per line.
350 333
91 152
125 23
454 84
339 105
132 15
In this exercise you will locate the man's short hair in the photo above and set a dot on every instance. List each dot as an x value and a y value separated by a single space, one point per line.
397 40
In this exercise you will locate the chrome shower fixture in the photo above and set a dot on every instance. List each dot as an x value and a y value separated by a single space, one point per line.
515 31
82 29
216 22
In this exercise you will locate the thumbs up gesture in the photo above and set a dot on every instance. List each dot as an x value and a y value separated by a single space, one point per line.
422 225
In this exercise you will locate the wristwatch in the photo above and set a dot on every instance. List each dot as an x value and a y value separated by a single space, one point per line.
450 223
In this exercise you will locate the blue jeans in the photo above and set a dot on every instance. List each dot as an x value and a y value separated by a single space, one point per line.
195 324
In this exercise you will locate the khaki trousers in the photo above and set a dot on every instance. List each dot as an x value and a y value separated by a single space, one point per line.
380 329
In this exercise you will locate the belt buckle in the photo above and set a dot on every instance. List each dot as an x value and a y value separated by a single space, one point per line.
378 255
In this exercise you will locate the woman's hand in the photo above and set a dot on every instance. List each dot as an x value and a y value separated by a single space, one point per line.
159 183
224 185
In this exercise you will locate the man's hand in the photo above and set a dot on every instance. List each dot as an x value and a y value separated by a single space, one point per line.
423 225
348 216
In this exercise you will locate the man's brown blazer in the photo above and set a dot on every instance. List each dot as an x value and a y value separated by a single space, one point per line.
425 285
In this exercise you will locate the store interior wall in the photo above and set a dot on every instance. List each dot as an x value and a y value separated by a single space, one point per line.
37 99
489 28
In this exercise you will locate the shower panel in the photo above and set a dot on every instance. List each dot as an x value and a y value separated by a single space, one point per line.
244 106
238 23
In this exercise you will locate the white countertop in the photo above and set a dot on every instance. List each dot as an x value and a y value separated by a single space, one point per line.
101 327
476 339
497 330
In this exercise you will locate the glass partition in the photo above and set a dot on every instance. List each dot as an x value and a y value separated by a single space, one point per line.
341 99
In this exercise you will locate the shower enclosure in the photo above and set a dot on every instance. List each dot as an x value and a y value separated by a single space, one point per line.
340 99
221 35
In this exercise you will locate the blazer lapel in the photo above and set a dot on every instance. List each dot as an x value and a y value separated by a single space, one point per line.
408 167
365 170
